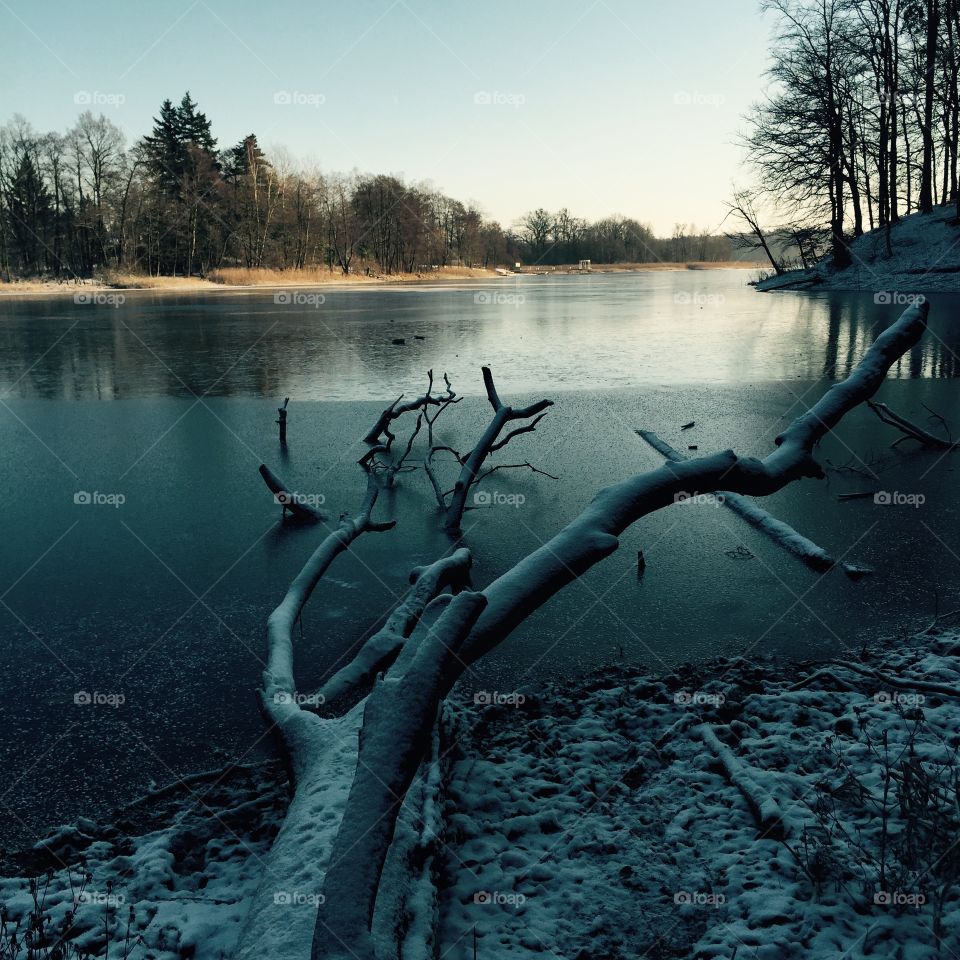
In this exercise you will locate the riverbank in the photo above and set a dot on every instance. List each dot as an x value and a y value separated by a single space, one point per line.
539 269
725 807
239 279
234 279
923 257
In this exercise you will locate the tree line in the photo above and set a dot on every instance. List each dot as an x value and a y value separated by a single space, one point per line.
861 120
174 203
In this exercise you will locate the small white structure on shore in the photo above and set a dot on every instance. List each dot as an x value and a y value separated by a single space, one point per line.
585 265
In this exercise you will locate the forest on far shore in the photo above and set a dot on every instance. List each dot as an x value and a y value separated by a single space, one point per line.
174 203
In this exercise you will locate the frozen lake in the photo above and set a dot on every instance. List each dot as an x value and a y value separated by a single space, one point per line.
169 403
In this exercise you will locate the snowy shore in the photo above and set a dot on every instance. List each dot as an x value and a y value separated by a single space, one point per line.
925 259
746 806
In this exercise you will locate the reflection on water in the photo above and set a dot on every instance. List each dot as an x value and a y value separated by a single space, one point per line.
571 332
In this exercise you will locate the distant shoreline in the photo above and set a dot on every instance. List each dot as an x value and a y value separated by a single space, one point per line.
276 280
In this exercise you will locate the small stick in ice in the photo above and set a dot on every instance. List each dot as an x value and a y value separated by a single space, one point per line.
282 419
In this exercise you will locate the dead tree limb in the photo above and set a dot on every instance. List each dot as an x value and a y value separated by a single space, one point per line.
382 648
776 530
425 672
909 429
762 805
397 723
397 409
593 535
515 595
488 443
296 504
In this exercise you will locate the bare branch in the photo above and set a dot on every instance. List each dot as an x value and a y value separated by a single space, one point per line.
911 430
295 503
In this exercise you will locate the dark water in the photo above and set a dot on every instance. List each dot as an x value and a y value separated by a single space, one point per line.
161 599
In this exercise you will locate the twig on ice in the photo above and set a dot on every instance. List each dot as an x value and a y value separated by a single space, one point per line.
910 430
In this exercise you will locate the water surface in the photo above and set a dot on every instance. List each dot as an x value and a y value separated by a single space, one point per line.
169 403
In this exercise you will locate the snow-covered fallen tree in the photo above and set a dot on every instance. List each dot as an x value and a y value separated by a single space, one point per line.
342 867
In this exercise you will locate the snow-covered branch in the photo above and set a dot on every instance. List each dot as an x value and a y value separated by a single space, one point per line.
779 532
381 648
593 534
397 723
297 505
471 464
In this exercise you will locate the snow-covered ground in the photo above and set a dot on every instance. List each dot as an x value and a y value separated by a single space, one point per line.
926 258
593 820
745 808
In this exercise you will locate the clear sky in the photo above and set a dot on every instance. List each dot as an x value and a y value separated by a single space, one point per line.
602 106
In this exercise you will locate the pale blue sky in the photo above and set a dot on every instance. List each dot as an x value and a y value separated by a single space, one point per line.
603 107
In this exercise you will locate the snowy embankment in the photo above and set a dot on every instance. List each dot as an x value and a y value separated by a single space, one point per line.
740 806
925 258
738 809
